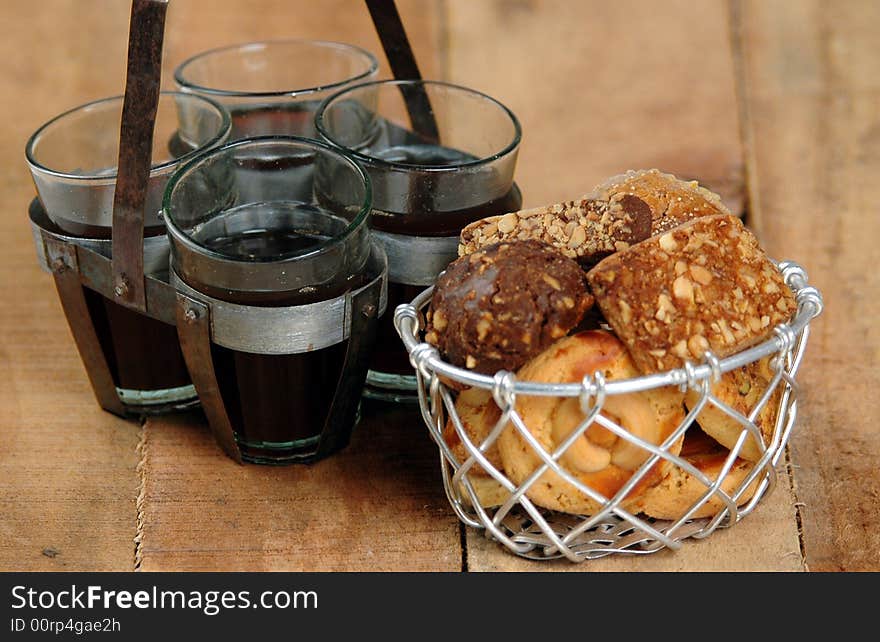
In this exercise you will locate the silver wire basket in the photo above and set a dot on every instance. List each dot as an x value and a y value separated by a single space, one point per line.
533 532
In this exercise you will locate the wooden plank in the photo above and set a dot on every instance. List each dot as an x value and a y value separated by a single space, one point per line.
812 73
197 25
376 506
753 544
601 88
67 469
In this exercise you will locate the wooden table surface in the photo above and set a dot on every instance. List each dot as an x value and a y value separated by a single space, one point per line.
775 104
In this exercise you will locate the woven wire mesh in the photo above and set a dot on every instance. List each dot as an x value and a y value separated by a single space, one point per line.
535 532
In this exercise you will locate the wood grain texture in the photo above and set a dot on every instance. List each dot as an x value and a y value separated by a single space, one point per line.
67 469
603 87
380 505
812 76
377 506
761 541
599 87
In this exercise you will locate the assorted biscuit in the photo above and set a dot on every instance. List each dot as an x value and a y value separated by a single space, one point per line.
585 230
740 389
680 489
497 308
597 458
704 285
479 415
673 276
618 213
672 201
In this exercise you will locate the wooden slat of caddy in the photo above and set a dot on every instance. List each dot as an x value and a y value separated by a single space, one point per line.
601 88
67 469
812 71
377 506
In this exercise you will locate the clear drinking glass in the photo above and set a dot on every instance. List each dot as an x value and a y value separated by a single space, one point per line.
274 87
283 257
73 161
429 181
73 158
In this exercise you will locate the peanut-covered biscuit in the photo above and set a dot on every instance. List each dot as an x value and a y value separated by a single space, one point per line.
586 230
620 212
497 308
741 389
599 459
672 201
479 414
704 285
680 490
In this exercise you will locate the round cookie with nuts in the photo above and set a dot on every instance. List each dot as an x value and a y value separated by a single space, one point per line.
498 307
599 459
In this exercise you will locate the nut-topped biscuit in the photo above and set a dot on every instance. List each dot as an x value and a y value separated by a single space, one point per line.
497 308
704 285
598 458
741 389
479 415
587 229
672 201
620 212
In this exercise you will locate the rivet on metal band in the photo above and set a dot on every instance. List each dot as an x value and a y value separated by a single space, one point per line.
292 329
156 248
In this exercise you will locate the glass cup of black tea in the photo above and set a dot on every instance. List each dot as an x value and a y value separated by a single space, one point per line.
274 87
73 161
439 156
271 234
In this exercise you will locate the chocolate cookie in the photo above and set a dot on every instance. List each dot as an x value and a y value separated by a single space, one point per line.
500 306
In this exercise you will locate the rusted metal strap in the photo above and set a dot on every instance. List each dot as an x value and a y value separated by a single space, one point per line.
63 262
194 331
366 307
143 78
392 35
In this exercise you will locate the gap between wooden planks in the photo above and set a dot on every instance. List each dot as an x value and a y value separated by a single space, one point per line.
811 71
588 111
602 88
67 469
377 506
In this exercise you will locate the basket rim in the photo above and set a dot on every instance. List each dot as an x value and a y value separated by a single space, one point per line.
426 359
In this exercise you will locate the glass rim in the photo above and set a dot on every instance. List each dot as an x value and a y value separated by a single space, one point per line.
381 162
183 83
108 178
359 219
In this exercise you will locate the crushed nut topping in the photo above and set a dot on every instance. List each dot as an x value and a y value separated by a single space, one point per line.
725 303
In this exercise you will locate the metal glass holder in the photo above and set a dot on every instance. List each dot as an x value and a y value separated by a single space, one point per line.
533 532
203 320
77 263
117 268
412 260
125 268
